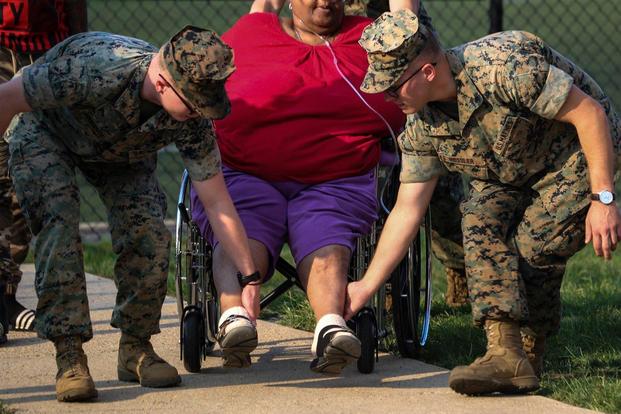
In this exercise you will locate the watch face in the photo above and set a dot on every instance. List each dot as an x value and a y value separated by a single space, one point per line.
606 197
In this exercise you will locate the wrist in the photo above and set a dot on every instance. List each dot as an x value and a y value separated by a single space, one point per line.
249 279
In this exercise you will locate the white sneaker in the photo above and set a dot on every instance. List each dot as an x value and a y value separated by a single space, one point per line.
335 346
237 337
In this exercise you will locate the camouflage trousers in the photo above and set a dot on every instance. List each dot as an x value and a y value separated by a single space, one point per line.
447 238
516 254
14 233
44 175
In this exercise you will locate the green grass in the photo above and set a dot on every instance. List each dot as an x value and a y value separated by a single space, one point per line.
583 362
5 409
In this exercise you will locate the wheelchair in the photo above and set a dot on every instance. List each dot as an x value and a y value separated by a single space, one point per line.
407 294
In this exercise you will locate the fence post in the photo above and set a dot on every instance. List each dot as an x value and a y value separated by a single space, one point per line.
495 16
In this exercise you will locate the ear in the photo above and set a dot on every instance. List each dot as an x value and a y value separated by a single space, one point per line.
160 85
429 72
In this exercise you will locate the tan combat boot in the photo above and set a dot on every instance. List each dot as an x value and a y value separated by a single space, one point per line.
456 287
73 380
534 346
138 362
504 367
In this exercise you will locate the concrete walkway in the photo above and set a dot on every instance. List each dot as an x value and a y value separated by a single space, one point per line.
278 381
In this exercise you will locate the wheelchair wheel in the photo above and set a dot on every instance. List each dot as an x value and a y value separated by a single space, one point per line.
411 295
192 341
367 333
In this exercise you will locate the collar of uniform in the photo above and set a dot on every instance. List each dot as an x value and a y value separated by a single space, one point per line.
438 124
469 99
161 121
128 103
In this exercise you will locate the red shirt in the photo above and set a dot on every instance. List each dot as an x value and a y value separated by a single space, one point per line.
32 26
293 118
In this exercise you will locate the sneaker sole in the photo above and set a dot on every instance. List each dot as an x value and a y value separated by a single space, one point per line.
76 395
129 376
340 352
481 386
24 322
237 345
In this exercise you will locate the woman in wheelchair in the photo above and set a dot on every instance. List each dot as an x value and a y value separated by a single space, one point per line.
299 150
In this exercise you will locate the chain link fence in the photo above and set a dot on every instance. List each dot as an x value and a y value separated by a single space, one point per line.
587 31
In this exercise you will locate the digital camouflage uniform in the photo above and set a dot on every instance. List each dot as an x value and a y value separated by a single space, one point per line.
14 233
88 115
369 8
529 188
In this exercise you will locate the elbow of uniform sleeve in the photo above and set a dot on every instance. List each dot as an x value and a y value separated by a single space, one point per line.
37 89
200 172
205 167
554 93
419 169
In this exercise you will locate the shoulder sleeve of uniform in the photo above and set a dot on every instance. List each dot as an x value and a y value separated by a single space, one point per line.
199 150
419 159
60 82
529 81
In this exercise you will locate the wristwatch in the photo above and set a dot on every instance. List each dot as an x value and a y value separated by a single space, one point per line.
251 279
605 197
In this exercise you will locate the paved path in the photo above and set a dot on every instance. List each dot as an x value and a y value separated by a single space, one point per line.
278 381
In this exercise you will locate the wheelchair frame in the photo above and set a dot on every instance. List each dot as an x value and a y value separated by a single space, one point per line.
409 287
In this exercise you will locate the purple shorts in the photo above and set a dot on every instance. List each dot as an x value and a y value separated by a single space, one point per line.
307 216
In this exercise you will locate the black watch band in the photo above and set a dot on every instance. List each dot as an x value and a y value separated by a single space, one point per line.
606 197
251 279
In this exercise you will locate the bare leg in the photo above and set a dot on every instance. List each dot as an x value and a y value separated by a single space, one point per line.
237 335
225 273
323 274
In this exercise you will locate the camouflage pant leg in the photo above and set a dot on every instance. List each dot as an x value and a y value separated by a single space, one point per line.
545 246
46 187
492 262
136 209
447 237
5 220
13 230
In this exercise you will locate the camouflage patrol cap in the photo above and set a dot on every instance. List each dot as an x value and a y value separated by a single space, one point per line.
199 63
392 42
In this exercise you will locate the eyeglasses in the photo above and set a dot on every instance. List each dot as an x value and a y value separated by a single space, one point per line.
393 91
181 98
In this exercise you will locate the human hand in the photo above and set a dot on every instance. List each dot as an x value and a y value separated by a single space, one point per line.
357 295
267 6
603 227
251 300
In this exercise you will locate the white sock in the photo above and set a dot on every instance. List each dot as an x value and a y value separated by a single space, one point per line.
235 310
326 320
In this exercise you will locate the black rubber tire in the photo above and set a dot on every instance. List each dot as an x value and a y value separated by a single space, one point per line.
193 338
366 332
406 303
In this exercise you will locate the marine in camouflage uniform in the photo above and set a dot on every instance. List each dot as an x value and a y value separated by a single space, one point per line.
529 189
89 113
446 241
